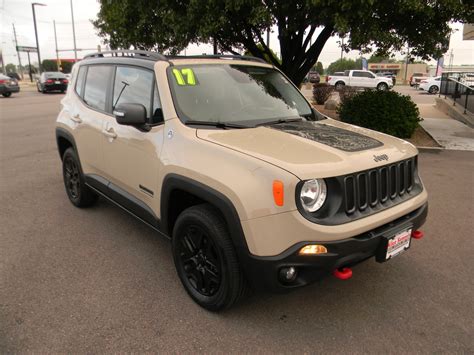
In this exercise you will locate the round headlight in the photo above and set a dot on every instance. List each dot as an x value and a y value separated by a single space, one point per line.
313 194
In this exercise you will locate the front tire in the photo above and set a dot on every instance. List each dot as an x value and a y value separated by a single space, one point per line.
205 258
382 87
433 89
78 192
7 94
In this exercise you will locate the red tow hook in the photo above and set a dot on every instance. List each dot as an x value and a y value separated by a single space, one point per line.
344 273
417 234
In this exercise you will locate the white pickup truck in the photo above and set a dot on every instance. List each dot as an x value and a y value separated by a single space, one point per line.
360 78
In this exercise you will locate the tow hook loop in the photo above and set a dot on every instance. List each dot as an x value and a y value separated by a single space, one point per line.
417 234
344 273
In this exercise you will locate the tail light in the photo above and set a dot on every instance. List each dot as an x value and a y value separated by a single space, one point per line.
328 78
65 81
2 81
49 81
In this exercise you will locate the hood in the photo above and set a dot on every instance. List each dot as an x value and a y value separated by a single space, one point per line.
314 149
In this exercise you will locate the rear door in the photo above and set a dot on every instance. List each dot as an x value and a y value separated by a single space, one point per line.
89 113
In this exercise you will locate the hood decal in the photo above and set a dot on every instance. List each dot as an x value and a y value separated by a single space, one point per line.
334 137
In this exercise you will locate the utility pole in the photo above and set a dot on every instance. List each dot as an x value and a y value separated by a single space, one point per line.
56 43
73 32
268 37
406 62
17 52
36 33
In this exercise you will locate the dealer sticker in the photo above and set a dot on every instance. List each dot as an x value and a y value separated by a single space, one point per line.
398 244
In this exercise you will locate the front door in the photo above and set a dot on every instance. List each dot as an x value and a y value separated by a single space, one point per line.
132 154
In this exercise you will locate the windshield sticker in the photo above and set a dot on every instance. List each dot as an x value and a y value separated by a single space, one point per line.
185 73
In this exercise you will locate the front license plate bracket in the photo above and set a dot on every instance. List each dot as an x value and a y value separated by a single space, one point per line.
394 244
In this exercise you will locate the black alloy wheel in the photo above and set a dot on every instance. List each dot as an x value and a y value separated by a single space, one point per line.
78 192
201 261
205 258
72 178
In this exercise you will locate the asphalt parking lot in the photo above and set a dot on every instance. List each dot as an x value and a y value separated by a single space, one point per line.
97 280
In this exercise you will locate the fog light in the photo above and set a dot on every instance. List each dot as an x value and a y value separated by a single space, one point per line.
313 249
288 274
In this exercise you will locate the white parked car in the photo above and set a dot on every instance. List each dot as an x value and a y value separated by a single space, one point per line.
431 85
362 79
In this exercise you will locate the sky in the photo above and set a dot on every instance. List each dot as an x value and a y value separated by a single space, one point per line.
19 12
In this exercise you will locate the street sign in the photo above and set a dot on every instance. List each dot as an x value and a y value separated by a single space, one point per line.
26 49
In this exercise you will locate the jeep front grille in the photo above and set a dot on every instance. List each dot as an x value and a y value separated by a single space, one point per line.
375 187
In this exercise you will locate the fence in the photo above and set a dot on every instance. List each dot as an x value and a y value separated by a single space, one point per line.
459 86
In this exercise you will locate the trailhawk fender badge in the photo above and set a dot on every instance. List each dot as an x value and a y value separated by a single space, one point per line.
382 157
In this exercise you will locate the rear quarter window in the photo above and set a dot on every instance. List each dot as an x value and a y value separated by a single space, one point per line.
80 80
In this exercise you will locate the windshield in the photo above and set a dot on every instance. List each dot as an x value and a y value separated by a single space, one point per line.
234 94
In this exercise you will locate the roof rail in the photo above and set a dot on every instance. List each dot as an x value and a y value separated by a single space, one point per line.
218 56
155 56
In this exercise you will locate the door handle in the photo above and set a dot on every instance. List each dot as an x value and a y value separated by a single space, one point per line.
76 118
110 133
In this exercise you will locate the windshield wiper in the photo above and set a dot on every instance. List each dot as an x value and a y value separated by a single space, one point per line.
281 120
223 125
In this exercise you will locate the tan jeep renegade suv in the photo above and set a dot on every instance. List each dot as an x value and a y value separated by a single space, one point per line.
224 156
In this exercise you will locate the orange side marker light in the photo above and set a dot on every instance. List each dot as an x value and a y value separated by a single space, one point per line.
278 193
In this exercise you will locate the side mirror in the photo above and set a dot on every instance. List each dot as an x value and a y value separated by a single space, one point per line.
130 114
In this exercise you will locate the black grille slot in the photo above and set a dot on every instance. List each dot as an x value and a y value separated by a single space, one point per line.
410 176
350 195
374 183
363 191
402 178
393 181
384 185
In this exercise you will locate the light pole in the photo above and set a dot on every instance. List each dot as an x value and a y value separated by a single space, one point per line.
36 32
73 32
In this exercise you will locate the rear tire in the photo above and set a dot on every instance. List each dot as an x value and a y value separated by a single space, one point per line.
7 94
339 85
78 192
433 89
205 258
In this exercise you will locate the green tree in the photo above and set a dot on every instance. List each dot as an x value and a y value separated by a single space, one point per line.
237 25
49 65
344 64
374 58
10 68
265 56
66 67
319 68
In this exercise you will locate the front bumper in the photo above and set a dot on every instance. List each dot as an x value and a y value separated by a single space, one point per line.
263 272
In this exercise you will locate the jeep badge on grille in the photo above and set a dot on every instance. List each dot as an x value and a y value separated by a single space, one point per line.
378 158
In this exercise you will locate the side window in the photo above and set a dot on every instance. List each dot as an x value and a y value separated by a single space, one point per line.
357 74
133 85
95 94
157 110
80 80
